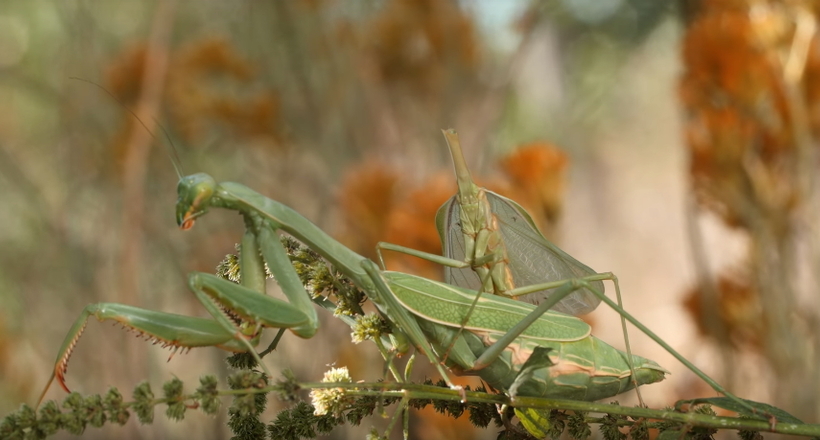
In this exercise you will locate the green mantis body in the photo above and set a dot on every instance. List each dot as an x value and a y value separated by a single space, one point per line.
491 244
494 343
476 223
585 368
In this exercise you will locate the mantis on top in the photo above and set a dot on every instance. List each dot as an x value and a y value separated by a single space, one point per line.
477 223
491 244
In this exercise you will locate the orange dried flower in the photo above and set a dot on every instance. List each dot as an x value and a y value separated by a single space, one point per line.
743 155
739 311
811 82
215 56
253 118
537 173
366 199
123 77
197 101
411 223
415 41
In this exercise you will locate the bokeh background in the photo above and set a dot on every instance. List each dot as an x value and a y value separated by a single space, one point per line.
672 143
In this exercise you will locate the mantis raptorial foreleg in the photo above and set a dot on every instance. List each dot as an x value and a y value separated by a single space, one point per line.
224 300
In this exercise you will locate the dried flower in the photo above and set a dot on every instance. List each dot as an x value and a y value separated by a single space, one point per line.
327 400
369 326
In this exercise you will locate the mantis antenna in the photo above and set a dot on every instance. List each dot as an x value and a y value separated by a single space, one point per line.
172 151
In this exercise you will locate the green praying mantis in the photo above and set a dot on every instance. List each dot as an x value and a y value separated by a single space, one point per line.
496 340
491 244
477 223
459 330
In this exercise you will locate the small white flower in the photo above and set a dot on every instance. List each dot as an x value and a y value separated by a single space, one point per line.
333 400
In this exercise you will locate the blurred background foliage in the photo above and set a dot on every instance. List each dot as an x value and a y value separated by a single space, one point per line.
673 143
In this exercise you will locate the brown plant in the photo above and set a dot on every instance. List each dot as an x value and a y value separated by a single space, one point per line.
411 224
751 106
537 175
212 83
415 42
743 154
366 198
738 308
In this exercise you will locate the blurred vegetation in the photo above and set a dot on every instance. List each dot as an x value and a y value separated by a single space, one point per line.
570 107
751 98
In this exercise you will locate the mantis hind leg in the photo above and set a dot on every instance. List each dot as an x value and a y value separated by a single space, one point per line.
572 285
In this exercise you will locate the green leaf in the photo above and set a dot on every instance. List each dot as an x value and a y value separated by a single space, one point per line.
535 421
671 434
762 411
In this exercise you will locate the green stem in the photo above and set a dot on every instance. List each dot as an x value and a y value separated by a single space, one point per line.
409 391
416 391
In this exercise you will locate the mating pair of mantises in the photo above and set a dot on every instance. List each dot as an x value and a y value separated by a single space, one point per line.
475 324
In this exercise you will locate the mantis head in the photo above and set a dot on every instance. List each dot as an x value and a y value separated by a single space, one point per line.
195 192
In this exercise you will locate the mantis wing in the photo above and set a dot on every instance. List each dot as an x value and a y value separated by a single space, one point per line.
532 258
